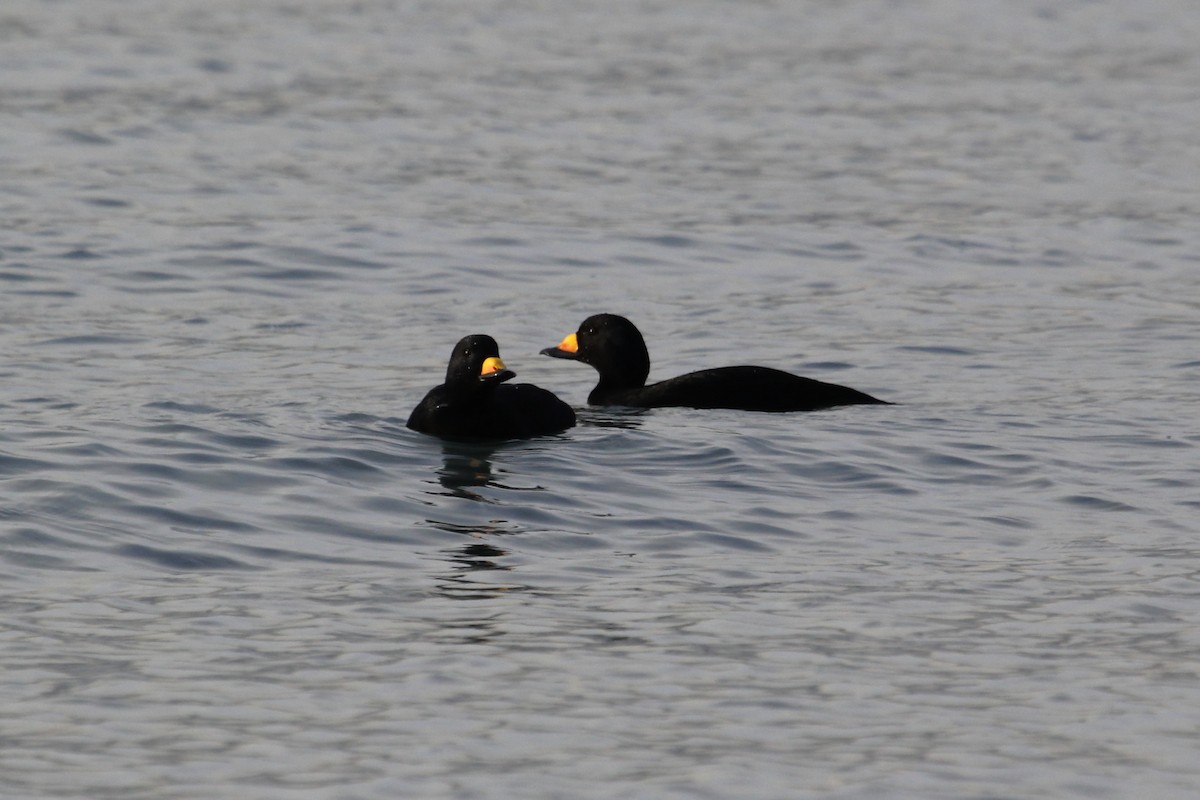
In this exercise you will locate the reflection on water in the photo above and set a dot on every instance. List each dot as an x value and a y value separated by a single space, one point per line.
464 581
613 417
480 569
478 556
465 465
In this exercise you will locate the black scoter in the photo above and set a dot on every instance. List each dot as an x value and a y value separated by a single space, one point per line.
475 404
615 347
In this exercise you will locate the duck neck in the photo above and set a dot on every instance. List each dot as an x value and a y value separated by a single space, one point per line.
618 378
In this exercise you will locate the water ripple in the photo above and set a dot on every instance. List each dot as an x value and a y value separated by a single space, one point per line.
180 559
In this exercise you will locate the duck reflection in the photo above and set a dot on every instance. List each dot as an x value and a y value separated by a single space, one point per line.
475 566
472 564
473 622
478 556
613 417
465 466
469 563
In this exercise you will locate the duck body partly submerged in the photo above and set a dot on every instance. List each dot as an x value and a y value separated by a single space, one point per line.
615 347
517 411
474 404
743 387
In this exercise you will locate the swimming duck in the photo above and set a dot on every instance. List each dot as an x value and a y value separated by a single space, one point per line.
475 403
615 347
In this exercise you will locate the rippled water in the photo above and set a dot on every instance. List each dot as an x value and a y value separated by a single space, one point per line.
240 240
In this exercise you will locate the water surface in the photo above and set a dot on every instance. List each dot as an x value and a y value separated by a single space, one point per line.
241 241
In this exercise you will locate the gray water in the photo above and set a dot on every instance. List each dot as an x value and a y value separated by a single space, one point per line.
239 241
